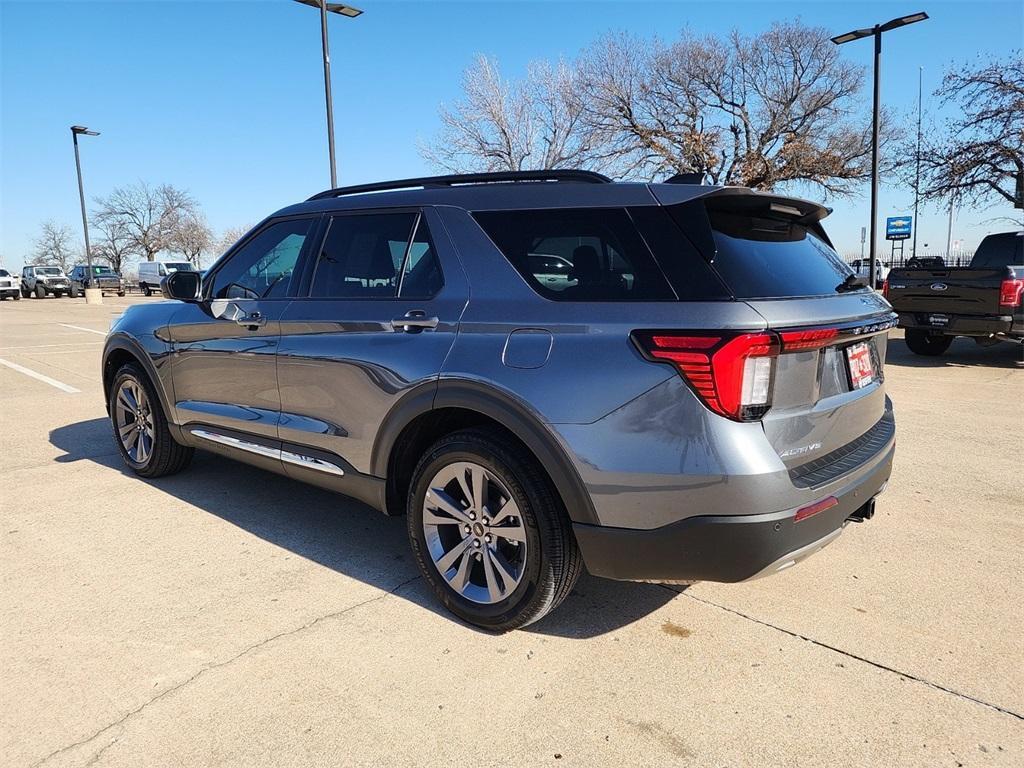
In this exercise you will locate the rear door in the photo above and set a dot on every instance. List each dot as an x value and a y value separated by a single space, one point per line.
381 304
828 384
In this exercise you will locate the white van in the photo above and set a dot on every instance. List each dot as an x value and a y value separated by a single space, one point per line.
151 272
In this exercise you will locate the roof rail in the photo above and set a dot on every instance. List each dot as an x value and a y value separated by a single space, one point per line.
457 179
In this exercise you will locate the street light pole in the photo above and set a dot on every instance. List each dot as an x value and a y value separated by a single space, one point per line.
92 295
341 10
876 32
917 158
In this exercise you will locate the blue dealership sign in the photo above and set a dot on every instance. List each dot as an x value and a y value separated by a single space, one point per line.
898 227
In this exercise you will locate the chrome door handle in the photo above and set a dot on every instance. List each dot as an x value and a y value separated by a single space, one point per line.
251 320
415 320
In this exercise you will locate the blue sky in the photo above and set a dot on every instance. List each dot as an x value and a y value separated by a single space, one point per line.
225 99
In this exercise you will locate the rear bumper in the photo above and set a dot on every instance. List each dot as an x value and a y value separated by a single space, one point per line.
727 548
958 325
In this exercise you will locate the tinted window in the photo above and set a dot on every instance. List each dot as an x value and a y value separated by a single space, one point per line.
422 273
764 257
578 254
4 273
262 268
1002 250
362 256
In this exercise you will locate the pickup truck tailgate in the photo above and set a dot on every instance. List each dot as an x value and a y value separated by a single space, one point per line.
952 290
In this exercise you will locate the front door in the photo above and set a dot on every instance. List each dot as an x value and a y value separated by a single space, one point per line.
385 295
223 361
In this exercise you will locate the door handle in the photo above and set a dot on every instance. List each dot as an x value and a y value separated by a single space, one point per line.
251 320
414 322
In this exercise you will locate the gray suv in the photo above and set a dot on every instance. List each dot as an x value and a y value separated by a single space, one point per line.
662 382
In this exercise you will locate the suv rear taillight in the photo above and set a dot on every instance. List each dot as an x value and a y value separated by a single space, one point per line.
1010 291
885 288
731 374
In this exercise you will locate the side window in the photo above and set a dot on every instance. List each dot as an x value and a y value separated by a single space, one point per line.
421 278
362 256
262 268
578 254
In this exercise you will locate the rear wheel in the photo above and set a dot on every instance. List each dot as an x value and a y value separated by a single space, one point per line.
140 426
15 296
146 290
489 533
73 291
923 342
24 292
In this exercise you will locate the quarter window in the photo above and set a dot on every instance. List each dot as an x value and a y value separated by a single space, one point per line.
263 267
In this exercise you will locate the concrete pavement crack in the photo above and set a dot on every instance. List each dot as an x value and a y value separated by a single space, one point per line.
848 654
217 665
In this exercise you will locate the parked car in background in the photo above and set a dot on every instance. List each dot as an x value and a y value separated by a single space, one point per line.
10 286
925 262
40 281
861 268
703 399
103 277
152 272
982 300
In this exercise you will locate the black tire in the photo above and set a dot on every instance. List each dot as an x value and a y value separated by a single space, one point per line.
40 291
922 342
73 292
167 456
553 562
120 293
16 296
146 290
25 292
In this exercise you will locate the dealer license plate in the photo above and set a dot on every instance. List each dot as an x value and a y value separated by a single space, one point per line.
862 367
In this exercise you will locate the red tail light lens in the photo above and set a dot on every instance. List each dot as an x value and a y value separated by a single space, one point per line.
732 375
885 288
1010 291
813 338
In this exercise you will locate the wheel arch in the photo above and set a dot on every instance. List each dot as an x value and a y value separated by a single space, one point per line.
121 349
427 413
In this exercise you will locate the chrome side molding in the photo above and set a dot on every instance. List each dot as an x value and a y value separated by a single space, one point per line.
298 459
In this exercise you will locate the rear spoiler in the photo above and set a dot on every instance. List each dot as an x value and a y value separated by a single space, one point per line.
691 205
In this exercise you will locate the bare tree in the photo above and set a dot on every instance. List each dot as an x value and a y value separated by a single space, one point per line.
762 110
112 242
55 246
977 154
510 126
146 214
190 236
230 236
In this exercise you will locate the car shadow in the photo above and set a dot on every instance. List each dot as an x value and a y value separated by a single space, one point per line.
343 534
962 353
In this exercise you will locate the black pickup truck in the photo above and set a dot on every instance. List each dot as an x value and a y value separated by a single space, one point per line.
982 300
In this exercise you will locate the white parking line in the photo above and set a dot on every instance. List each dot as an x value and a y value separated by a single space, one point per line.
44 346
80 328
39 377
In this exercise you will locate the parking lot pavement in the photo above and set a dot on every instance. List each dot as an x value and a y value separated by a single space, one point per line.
227 617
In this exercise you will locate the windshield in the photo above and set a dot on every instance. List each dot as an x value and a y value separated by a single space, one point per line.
178 266
47 271
4 273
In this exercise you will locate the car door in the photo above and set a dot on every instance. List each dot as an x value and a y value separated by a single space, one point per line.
223 348
385 294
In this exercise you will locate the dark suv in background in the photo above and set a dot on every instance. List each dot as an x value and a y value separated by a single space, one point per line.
664 382
102 277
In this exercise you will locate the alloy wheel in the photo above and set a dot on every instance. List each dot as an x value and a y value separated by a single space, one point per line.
474 532
134 421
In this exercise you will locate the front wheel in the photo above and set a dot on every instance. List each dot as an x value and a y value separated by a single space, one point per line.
489 533
73 292
40 291
140 426
922 342
16 296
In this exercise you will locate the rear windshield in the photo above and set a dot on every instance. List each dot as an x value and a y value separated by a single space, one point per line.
601 254
762 257
1003 250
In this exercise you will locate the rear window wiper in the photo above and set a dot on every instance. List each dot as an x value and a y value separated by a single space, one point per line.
852 283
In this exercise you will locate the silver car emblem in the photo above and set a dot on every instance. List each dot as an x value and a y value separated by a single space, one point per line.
939 286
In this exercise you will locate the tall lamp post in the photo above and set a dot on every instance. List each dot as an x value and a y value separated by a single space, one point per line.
876 32
92 295
341 10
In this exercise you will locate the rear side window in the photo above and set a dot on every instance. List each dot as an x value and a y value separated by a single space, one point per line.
1002 250
764 257
578 254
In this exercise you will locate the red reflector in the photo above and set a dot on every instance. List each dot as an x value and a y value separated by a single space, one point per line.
1010 291
885 288
797 341
812 509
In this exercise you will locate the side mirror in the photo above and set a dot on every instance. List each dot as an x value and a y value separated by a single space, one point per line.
183 286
